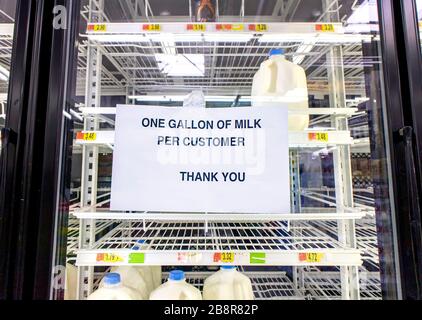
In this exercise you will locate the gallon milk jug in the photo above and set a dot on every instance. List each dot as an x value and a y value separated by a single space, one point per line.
147 276
176 288
113 289
151 274
279 82
131 278
156 276
71 282
228 284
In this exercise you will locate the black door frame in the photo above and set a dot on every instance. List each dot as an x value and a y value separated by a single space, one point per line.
33 146
31 196
410 60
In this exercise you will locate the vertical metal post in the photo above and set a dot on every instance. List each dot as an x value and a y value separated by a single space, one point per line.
295 202
190 11
341 157
89 178
295 199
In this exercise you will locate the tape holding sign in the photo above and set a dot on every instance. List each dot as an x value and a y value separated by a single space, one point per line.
233 160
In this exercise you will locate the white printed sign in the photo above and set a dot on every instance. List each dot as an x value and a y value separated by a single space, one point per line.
216 160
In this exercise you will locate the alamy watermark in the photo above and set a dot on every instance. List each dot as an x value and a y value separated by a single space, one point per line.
60 18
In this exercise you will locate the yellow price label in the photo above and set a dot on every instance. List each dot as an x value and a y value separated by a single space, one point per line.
261 27
238 27
227 257
152 27
197 27
109 258
89 136
311 257
318 136
326 27
100 28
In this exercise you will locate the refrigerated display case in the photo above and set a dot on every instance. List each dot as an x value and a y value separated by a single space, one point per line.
338 241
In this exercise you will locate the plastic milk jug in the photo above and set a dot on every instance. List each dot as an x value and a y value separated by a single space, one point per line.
228 284
151 274
279 82
113 289
176 288
131 278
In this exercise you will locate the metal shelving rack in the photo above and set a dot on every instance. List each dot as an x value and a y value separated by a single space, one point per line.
113 60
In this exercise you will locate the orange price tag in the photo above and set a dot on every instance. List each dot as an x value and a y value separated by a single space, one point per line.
97 27
318 136
197 27
311 257
152 27
86 136
225 257
109 258
326 27
224 27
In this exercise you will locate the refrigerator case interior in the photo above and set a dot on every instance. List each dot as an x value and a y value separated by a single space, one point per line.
325 249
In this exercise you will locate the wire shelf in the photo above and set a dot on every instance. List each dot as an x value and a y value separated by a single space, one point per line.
230 62
327 285
271 243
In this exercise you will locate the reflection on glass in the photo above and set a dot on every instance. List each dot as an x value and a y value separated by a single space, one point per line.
7 14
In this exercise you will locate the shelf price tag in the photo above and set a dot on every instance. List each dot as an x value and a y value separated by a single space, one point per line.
86 136
197 27
230 27
109 258
257 258
151 27
135 258
326 27
318 136
260 27
311 257
225 257
189 257
97 27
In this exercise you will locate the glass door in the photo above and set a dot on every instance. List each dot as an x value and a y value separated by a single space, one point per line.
319 62
7 19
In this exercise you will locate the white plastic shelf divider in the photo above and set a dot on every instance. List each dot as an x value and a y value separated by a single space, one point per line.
260 244
346 112
89 213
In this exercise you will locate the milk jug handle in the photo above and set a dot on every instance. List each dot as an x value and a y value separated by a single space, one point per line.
270 76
